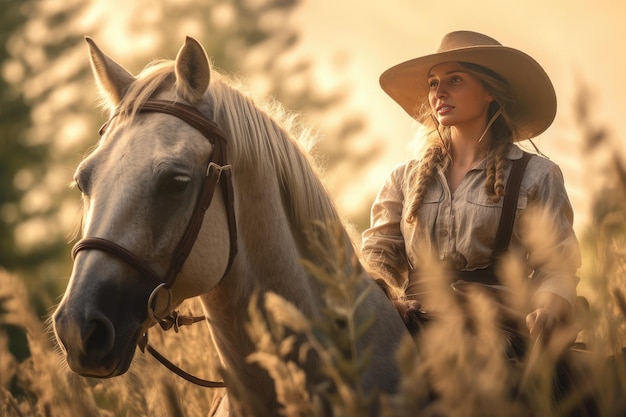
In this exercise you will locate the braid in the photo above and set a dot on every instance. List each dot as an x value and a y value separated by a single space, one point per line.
496 164
421 177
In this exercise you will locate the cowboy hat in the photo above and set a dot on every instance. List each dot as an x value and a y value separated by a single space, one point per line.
531 89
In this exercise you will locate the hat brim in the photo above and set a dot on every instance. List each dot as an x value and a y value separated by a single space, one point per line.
532 91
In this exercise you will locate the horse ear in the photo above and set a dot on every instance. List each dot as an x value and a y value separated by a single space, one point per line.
192 71
112 79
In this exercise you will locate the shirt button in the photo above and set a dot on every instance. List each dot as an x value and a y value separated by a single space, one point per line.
444 232
442 256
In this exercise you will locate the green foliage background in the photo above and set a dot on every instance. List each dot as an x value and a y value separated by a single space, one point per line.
49 116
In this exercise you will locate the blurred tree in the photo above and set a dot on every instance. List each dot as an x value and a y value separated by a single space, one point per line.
15 154
49 119
254 39
31 241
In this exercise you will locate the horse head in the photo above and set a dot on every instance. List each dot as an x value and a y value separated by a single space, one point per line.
184 158
141 189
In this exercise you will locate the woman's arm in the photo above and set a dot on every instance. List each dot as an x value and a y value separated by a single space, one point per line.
382 249
553 250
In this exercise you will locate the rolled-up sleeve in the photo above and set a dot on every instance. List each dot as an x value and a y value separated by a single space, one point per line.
383 243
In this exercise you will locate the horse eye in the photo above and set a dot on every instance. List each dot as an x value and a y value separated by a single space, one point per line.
80 182
173 185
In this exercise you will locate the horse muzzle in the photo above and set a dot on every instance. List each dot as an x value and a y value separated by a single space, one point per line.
92 345
98 323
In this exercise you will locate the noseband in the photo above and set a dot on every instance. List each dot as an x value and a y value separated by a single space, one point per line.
218 171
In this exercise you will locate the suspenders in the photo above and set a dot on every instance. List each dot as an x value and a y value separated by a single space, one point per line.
487 275
509 205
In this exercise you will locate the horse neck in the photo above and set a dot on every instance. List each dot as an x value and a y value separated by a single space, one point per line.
268 260
277 198
272 245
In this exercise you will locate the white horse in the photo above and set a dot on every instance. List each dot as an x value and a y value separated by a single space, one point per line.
141 189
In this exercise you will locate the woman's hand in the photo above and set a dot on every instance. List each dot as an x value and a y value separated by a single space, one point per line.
541 323
551 311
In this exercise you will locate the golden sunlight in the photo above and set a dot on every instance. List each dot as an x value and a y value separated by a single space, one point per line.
570 39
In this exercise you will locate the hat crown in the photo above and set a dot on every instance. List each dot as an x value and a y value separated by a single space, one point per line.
465 39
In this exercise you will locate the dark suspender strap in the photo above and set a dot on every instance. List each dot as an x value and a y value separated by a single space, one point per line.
509 205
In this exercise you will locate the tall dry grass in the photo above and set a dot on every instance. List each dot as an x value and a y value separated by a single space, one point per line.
461 368
42 385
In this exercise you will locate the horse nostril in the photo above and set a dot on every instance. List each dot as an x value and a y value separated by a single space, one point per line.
98 337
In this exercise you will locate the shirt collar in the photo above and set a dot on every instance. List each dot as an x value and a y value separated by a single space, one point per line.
514 153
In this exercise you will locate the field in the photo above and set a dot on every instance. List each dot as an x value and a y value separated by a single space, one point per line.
461 369
462 362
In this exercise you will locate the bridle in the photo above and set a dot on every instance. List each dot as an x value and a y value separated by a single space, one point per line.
218 171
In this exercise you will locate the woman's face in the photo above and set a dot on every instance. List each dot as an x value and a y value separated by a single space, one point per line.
457 98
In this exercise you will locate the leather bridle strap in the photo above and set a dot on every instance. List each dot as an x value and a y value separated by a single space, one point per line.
113 248
218 171
216 168
144 345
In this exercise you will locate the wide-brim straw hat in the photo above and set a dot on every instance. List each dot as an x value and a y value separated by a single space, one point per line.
532 91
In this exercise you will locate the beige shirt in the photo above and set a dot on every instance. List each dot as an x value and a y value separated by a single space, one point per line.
460 227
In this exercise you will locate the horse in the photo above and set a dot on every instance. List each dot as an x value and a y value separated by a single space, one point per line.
194 191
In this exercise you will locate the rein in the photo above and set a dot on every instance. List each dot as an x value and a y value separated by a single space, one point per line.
218 171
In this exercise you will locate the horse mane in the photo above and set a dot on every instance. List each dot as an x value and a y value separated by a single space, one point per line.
256 133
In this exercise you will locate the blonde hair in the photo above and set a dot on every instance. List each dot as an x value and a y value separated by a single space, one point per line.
422 172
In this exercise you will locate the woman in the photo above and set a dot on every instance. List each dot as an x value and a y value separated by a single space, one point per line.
477 98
